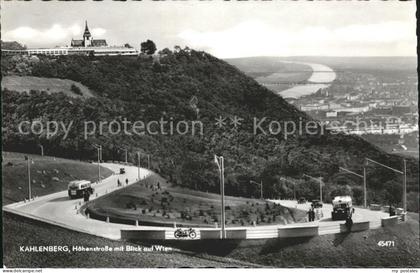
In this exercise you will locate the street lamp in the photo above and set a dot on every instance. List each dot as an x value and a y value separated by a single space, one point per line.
126 154
364 182
404 173
221 165
139 158
99 148
294 186
261 187
42 149
320 184
29 177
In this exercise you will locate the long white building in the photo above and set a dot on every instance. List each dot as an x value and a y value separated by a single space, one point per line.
86 46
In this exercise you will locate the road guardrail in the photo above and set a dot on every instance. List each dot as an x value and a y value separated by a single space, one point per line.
389 221
356 226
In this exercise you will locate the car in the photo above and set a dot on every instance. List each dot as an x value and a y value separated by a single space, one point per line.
316 204
301 200
122 171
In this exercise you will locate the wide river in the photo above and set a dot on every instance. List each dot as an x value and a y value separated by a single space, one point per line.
321 76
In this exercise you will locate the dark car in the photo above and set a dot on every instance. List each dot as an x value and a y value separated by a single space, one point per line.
301 200
316 204
122 171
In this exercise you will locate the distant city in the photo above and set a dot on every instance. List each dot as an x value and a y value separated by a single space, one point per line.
377 100
387 104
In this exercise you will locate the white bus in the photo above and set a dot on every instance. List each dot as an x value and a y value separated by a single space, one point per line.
77 188
342 208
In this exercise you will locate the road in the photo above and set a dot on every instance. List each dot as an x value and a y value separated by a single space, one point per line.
327 226
58 209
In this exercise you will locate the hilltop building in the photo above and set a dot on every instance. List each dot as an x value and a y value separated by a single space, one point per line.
88 40
85 46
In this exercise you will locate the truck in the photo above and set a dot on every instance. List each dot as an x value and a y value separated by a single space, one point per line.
77 188
342 208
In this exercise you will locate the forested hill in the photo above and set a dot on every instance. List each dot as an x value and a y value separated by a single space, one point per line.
190 85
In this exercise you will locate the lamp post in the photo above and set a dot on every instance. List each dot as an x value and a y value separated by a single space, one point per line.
42 149
261 187
294 186
220 164
404 173
126 154
364 183
320 184
99 148
29 177
139 158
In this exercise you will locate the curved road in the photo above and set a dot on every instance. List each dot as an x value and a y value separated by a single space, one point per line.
327 226
59 210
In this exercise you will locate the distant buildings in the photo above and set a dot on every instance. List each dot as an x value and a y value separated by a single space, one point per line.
85 46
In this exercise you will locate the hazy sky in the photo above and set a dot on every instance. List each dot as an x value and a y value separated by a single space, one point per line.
225 29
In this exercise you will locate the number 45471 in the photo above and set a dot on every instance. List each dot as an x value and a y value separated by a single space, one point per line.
386 243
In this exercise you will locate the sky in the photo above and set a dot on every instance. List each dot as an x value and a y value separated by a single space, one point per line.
224 29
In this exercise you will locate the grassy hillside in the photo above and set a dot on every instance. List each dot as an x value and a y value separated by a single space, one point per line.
22 231
48 175
49 85
359 249
155 201
147 89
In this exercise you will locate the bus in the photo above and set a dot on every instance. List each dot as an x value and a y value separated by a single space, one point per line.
76 189
342 208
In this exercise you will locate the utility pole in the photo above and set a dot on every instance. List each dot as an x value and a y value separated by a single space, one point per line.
320 189
126 154
405 186
220 163
29 178
148 162
320 184
404 174
261 187
99 163
42 149
364 188
364 182
138 156
99 148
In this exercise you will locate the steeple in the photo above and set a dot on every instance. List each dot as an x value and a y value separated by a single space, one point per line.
87 37
87 32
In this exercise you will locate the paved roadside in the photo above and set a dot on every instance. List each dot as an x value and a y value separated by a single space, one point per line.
59 209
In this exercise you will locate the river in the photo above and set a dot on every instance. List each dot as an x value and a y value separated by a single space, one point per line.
321 77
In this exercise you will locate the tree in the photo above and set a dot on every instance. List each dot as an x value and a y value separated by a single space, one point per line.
392 192
148 47
75 89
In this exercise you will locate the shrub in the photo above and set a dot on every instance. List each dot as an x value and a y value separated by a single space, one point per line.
76 90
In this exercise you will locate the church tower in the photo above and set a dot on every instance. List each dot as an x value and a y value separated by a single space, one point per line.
87 37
